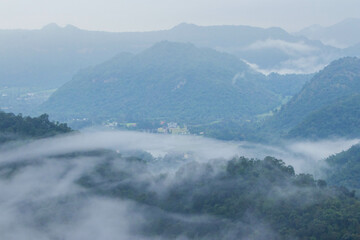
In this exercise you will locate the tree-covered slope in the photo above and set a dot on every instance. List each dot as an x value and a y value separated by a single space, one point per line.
168 197
16 127
336 82
341 119
246 192
169 81
344 168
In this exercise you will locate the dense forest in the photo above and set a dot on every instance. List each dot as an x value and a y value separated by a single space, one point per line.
341 119
221 199
327 89
240 192
17 127
344 168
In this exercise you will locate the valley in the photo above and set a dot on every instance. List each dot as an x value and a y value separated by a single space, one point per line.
189 133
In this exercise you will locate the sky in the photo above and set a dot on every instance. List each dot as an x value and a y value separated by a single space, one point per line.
147 15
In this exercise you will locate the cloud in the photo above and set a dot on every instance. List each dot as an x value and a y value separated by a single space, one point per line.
290 48
202 149
41 199
302 58
300 65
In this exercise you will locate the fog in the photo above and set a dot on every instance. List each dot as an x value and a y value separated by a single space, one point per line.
41 197
293 49
301 155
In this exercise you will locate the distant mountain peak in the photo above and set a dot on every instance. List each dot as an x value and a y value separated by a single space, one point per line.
56 27
185 26
341 35
51 26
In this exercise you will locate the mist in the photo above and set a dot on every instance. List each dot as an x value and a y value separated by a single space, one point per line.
301 155
202 149
42 198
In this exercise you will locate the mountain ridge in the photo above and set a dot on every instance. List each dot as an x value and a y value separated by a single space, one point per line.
62 51
334 83
342 34
176 81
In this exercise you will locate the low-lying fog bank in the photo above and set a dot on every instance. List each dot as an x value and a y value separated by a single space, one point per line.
45 184
301 155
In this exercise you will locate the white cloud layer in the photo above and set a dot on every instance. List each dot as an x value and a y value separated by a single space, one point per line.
43 201
290 48
299 154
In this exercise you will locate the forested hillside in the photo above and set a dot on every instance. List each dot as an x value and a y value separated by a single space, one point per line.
344 168
341 119
180 120
17 127
265 194
330 87
169 81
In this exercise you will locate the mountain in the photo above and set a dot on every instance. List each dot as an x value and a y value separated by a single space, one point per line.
339 80
343 34
49 57
169 81
341 119
270 49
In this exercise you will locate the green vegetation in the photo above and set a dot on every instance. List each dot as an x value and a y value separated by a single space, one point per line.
327 106
171 82
339 119
224 197
344 168
246 191
208 93
17 127
316 110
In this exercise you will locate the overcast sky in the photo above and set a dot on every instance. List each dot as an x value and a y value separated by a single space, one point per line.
143 15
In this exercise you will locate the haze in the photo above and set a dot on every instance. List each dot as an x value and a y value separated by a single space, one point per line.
143 15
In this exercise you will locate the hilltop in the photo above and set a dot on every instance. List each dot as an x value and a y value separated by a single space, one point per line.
169 81
338 81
